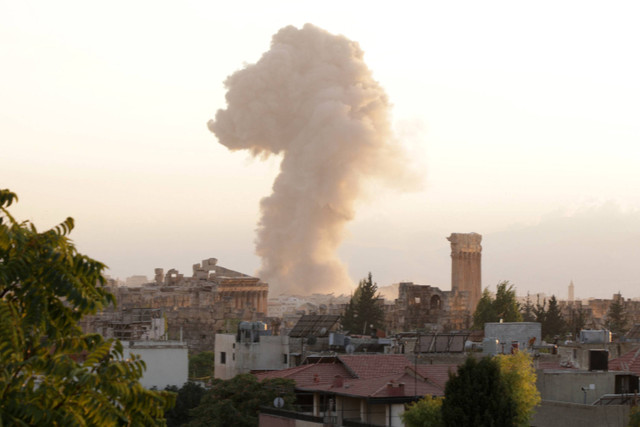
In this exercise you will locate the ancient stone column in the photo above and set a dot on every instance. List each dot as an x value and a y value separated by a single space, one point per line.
259 301
466 253
254 300
159 277
265 302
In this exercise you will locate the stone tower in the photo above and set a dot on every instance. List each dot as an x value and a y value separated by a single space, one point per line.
466 275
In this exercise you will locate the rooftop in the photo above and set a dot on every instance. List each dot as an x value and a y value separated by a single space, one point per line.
314 325
629 361
403 384
374 365
370 376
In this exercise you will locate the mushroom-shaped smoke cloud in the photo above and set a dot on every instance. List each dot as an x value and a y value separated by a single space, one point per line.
312 98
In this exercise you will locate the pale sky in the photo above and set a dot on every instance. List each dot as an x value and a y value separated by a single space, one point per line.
523 117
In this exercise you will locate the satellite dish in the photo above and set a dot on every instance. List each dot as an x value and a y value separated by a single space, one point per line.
323 331
311 340
278 402
350 349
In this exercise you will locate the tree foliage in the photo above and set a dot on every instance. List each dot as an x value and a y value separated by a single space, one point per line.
236 402
554 324
364 310
520 377
188 398
527 310
484 311
426 412
617 319
540 311
477 395
577 321
491 392
634 417
50 372
504 306
551 319
201 365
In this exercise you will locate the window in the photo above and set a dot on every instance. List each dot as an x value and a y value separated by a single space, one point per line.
435 302
285 359
233 356
223 357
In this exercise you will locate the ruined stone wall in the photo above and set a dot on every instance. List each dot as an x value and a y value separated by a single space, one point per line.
418 307
198 325
457 316
421 307
193 316
167 297
212 301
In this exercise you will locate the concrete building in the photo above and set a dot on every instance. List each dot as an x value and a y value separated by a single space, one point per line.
251 349
167 362
511 335
356 390
126 325
566 414
580 398
576 386
587 398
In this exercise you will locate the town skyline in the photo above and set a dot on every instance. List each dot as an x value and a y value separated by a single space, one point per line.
525 130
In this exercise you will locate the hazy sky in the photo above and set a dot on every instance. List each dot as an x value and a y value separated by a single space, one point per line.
523 117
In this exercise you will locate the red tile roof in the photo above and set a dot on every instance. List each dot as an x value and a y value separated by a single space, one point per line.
374 365
436 374
303 375
372 376
403 384
629 361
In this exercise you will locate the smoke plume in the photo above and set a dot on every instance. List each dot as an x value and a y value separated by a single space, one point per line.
311 98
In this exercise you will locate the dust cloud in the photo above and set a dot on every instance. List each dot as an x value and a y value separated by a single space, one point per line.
312 99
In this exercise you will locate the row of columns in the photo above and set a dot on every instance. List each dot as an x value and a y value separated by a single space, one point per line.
256 299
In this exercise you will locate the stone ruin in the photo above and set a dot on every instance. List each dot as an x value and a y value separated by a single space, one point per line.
213 300
466 263
421 307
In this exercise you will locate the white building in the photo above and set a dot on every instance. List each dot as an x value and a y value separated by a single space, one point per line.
167 362
249 351
509 335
